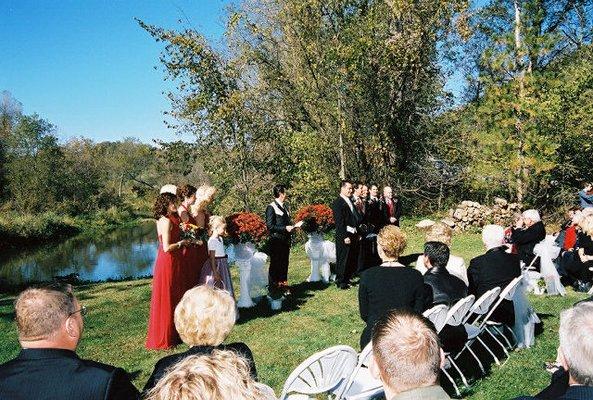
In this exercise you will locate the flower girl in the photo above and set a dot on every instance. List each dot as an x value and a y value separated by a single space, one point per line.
215 272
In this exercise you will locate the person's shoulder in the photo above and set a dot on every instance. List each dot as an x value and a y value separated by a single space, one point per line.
99 369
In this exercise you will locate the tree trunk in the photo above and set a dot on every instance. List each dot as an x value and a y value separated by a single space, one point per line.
520 171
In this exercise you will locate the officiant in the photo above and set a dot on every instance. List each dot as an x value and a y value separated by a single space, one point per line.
280 233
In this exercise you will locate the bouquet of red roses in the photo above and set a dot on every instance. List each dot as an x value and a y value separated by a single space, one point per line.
317 218
193 233
245 227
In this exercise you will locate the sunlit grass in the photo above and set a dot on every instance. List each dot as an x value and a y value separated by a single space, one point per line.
315 317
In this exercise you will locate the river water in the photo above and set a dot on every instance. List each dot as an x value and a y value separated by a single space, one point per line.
121 253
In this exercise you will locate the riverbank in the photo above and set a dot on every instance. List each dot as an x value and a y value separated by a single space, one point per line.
18 230
315 317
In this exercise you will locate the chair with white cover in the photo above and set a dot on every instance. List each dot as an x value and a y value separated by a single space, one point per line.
361 384
324 372
455 317
478 309
437 315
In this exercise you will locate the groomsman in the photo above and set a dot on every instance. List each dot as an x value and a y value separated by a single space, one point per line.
345 217
392 207
280 231
372 223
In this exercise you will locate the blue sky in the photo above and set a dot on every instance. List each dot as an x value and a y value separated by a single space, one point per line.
88 68
86 65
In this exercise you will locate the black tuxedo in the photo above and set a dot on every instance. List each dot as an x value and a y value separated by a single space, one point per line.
48 374
495 268
277 219
346 254
372 222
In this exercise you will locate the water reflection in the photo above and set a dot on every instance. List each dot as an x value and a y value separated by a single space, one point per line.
122 253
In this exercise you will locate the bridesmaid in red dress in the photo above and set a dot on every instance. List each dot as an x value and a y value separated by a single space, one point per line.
204 196
167 287
191 254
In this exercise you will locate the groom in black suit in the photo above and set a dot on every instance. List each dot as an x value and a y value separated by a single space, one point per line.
280 229
345 218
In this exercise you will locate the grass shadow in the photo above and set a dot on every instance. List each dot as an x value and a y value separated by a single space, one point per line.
299 295
7 316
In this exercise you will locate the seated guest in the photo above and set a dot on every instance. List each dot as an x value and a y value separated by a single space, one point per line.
389 285
586 196
495 268
221 375
204 318
407 357
443 288
440 232
577 266
567 236
574 379
529 230
50 325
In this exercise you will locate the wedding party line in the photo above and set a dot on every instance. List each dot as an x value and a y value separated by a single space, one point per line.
438 315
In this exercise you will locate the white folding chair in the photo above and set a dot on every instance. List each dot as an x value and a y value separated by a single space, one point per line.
479 309
455 317
361 385
507 294
323 372
437 315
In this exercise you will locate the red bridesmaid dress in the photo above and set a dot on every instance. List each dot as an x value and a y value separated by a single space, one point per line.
167 290
191 259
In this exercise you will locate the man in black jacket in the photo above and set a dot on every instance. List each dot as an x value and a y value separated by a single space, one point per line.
280 230
50 324
345 218
495 268
443 288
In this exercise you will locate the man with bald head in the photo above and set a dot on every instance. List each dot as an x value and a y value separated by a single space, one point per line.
50 325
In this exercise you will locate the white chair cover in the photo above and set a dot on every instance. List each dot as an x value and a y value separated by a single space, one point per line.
323 372
525 317
548 251
258 284
437 315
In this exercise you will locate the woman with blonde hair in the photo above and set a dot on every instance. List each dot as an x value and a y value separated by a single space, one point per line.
389 285
204 318
222 375
440 232
199 213
215 271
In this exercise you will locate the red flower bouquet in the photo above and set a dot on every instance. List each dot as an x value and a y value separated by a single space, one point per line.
245 227
317 218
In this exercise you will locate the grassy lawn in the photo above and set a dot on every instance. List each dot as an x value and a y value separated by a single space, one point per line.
316 317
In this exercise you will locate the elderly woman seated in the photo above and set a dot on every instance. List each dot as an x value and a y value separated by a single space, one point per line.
389 285
528 231
204 318
439 232
222 375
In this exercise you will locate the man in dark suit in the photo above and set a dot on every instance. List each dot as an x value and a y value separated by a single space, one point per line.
574 378
372 223
495 268
392 207
280 230
50 324
346 235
